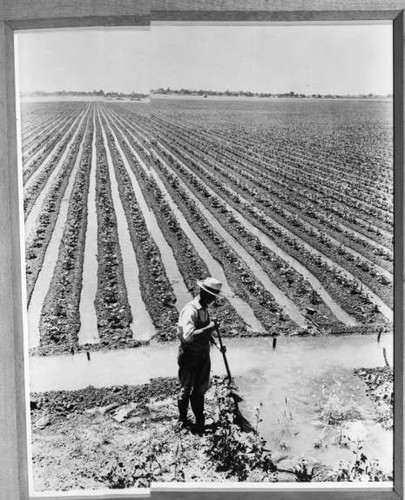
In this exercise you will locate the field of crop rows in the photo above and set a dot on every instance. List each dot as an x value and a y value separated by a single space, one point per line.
126 205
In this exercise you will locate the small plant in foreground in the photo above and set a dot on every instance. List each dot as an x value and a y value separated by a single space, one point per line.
240 453
116 475
179 461
363 469
334 410
302 472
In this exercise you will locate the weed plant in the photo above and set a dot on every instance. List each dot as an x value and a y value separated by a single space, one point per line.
241 454
117 475
334 410
363 469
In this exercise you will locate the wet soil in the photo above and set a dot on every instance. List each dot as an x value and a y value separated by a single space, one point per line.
128 436
120 437
380 385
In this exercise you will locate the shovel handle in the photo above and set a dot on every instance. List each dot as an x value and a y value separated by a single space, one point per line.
228 371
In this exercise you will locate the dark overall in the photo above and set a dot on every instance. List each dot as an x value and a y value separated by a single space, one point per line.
194 372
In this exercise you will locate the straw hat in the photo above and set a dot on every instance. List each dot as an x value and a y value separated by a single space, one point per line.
210 285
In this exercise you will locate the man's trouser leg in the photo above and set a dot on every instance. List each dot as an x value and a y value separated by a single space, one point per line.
186 378
201 382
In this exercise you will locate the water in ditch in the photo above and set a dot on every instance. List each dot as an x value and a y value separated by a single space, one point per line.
290 382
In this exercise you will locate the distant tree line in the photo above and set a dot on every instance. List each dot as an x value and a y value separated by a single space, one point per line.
95 93
247 93
199 92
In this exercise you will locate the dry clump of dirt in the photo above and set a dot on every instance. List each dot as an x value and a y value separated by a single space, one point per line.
83 439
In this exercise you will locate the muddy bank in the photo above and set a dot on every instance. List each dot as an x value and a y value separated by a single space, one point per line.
91 438
380 388
127 436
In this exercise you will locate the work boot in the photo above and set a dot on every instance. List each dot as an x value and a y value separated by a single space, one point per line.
197 405
184 421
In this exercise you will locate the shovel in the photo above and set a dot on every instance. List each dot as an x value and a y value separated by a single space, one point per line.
243 423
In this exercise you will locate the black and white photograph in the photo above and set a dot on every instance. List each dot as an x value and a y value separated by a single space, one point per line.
271 150
208 229
97 289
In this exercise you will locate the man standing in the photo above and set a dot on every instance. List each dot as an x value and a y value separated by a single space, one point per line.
194 331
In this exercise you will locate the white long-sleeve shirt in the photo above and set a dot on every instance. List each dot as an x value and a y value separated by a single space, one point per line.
192 317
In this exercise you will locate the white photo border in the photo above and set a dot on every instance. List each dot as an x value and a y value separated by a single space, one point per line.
18 15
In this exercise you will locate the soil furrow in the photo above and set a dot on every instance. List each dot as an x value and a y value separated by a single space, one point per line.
380 293
245 163
35 193
49 253
88 333
113 310
363 302
52 149
193 258
175 278
315 282
155 289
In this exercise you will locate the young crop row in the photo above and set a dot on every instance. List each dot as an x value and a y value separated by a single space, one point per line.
60 319
34 142
287 173
253 189
359 267
285 187
281 274
347 147
46 123
49 148
114 315
42 137
32 191
229 200
287 200
358 307
190 264
237 272
157 292
252 242
37 243
290 168
296 160
34 117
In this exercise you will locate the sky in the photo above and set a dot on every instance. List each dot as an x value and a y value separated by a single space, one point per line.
337 59
92 59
